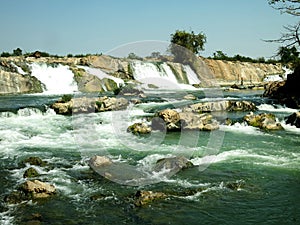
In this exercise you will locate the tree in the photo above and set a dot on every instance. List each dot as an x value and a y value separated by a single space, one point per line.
17 52
184 43
220 55
291 7
288 55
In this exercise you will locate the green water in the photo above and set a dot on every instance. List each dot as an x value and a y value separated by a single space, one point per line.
264 164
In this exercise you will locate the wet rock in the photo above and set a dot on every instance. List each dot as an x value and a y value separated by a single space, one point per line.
98 161
15 197
173 164
35 161
108 104
89 105
286 92
143 198
30 172
37 189
221 106
190 97
169 117
139 128
263 121
235 186
294 119
195 121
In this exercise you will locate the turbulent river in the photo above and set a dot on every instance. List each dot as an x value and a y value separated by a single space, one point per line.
264 165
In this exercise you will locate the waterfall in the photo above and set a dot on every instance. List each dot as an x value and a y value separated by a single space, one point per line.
163 76
57 79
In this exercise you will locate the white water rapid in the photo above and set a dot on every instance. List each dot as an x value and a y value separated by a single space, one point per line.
57 80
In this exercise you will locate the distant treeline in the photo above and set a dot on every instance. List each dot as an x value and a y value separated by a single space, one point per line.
219 55
19 52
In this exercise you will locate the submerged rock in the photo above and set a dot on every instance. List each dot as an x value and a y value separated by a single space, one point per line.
294 119
139 128
98 161
190 97
143 198
30 172
173 164
263 121
33 160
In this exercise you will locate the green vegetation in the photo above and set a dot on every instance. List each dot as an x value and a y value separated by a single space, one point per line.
66 98
184 45
134 56
219 55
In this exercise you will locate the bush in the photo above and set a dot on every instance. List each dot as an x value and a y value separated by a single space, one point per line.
66 98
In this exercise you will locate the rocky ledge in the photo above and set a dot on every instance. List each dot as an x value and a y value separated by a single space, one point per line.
89 105
285 92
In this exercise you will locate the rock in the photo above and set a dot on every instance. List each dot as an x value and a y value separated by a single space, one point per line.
220 106
37 189
35 161
173 164
89 105
139 128
190 97
30 172
195 121
98 161
263 121
286 92
169 118
143 198
294 119
108 104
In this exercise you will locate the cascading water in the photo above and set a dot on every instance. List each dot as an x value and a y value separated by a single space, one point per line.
161 75
57 80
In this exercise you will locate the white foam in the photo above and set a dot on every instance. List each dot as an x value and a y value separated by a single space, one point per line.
191 75
57 80
242 128
275 108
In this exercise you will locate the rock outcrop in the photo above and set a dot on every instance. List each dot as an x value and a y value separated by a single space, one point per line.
286 92
263 121
173 164
37 189
88 105
221 106
143 198
139 128
294 119
171 120
14 83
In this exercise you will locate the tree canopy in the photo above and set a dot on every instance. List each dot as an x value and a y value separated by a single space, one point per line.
184 43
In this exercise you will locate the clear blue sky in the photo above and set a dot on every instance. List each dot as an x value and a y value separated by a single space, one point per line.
97 26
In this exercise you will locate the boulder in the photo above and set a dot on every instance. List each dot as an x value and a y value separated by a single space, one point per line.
190 97
33 160
220 106
98 161
263 121
195 121
37 189
286 92
139 128
30 172
89 105
294 119
108 104
143 198
173 164
168 119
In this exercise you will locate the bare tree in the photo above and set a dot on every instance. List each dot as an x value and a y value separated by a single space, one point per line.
291 7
